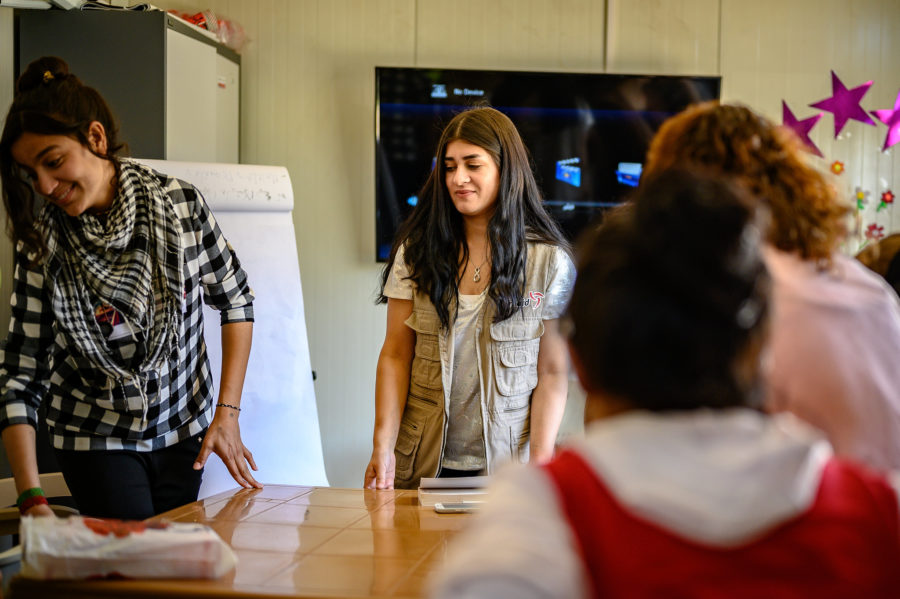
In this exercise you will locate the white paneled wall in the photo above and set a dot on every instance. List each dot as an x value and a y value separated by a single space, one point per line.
307 103
663 37
510 34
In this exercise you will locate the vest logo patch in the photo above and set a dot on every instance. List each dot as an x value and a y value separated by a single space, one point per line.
534 300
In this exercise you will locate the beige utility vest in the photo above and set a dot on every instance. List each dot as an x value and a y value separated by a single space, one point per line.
507 367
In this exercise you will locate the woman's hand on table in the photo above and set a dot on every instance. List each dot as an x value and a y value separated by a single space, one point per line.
380 471
224 439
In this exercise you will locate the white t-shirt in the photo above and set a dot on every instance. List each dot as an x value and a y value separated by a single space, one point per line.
464 449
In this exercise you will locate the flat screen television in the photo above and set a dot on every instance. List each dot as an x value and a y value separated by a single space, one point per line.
587 133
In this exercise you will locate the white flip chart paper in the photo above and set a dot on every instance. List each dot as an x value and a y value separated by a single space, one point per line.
279 420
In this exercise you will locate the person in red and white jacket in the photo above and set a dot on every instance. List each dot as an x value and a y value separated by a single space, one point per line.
682 486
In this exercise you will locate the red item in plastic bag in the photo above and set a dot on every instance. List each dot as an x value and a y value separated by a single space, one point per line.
81 548
121 528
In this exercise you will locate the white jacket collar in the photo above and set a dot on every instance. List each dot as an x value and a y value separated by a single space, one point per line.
718 477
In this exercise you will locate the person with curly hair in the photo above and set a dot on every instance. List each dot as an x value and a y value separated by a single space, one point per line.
836 326
473 371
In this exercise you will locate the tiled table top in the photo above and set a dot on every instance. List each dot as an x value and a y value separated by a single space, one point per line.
299 542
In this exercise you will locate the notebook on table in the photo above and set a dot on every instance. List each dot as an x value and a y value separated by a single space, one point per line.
465 489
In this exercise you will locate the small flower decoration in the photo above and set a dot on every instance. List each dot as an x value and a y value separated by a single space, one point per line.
886 198
862 198
837 167
874 232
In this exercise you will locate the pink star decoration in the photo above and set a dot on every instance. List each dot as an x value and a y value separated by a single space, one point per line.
875 232
891 118
844 104
801 127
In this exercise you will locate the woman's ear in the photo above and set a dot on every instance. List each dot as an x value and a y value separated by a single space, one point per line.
96 135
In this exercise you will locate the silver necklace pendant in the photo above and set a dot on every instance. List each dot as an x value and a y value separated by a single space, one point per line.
477 276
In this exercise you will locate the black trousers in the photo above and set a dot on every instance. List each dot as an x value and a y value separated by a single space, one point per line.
132 485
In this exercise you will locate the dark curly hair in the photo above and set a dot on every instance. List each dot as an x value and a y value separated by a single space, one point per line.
433 237
670 294
48 101
807 217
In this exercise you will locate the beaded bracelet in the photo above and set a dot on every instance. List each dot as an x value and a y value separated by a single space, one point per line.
31 502
225 405
29 498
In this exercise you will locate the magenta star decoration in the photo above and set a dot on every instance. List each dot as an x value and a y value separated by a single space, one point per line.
844 104
801 128
891 118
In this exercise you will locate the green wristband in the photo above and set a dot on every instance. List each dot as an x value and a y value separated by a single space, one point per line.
28 494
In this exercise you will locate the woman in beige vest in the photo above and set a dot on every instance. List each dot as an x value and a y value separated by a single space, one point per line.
473 370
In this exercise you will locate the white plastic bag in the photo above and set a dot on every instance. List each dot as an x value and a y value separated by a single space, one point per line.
79 547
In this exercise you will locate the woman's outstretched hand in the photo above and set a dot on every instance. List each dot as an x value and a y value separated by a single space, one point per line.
224 439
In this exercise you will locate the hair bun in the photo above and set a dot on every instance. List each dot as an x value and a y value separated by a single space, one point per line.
42 71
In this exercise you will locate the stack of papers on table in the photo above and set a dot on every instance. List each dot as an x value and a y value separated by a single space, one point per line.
466 489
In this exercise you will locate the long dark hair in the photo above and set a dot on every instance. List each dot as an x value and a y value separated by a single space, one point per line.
433 237
48 101
671 293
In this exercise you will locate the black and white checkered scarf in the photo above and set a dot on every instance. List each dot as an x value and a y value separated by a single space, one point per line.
131 259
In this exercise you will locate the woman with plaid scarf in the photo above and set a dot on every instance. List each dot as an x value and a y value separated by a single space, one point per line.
106 337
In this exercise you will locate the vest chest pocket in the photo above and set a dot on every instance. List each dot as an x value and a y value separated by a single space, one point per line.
515 353
426 366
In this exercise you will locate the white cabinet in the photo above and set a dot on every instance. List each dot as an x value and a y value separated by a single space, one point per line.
228 109
191 81
175 91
